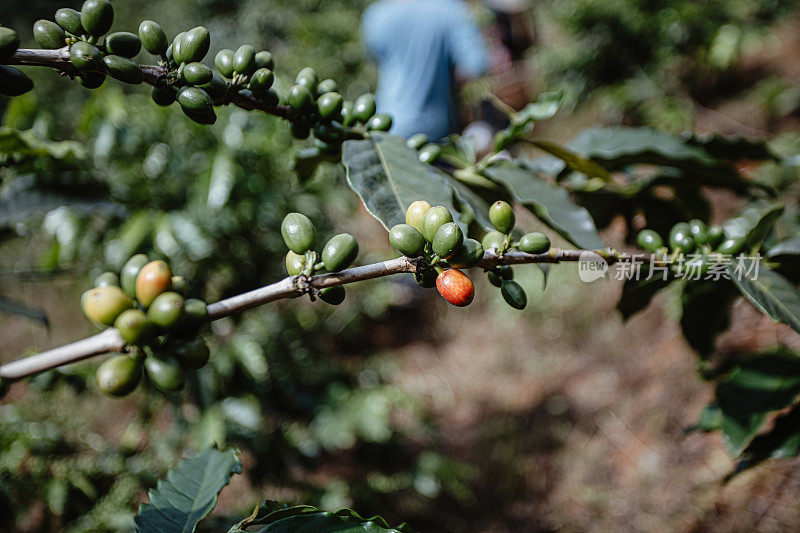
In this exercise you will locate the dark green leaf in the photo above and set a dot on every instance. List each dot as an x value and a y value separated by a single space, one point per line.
785 249
705 312
188 494
549 202
731 147
16 308
766 383
573 160
637 293
770 293
782 440
754 224
280 518
387 176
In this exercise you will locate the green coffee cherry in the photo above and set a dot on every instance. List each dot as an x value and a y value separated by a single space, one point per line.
177 48
103 305
217 89
407 240
493 240
348 116
300 131
205 116
166 310
534 243
447 241
192 355
680 237
731 245
301 100
698 230
119 375
380 122
123 69
502 217
134 327
194 99
364 108
339 252
435 218
195 44
417 141
153 37
470 253
70 20
426 278
9 42
495 277
123 43
295 263
195 314
261 81
415 214
13 82
48 34
715 236
165 372
163 96
106 279
330 132
308 78
85 56
264 60
649 240
130 271
514 294
92 80
327 86
330 105
197 73
244 60
430 153
224 62
298 233
97 17
332 295
180 285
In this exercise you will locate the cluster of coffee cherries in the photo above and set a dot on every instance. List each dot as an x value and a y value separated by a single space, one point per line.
147 304
427 152
693 237
92 54
430 233
320 109
339 252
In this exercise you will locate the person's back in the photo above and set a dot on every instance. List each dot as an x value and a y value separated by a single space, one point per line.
417 44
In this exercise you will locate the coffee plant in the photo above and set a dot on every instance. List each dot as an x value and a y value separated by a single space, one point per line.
446 209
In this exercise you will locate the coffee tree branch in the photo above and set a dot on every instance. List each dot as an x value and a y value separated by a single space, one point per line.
292 287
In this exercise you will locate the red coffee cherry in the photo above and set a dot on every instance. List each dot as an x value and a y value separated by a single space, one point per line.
455 287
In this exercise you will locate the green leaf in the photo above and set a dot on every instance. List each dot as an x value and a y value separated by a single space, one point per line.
766 383
546 106
16 145
618 147
637 293
17 308
188 494
782 440
573 160
388 177
787 248
280 518
705 306
549 202
770 293
754 224
732 147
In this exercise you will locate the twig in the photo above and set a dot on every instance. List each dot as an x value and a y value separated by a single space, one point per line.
155 75
293 287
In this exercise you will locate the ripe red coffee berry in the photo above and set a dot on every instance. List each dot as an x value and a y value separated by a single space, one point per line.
455 287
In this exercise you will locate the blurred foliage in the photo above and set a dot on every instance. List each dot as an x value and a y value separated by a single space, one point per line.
646 58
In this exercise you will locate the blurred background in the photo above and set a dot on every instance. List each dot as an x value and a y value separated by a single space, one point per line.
485 419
